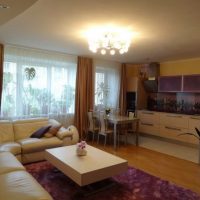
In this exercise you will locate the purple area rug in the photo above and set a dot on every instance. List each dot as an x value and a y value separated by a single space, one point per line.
134 184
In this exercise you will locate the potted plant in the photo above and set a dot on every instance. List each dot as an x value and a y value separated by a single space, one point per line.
194 135
107 111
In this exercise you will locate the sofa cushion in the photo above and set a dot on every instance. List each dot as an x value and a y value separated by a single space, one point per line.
12 147
63 132
6 131
53 122
24 128
20 185
40 132
9 163
52 131
30 145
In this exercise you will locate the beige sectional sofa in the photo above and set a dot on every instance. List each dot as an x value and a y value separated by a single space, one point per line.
15 138
16 183
17 145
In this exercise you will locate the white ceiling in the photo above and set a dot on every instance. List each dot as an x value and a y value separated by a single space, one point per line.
168 29
15 8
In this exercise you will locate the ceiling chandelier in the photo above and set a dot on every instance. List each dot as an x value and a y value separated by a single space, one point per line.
109 42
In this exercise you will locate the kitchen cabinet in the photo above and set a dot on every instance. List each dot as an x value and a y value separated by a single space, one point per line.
149 128
170 83
173 132
149 122
149 116
132 84
194 121
186 83
169 125
191 83
173 125
174 120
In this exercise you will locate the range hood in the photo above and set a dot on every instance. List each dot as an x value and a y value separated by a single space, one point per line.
152 72
151 85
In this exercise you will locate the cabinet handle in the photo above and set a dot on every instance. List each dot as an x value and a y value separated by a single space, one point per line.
148 113
177 116
195 118
171 128
147 124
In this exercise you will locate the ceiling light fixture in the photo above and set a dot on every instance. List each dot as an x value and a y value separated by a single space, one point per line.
109 42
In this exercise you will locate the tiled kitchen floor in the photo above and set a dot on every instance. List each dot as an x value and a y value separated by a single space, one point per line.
167 147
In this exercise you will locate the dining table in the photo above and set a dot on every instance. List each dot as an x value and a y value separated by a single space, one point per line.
117 120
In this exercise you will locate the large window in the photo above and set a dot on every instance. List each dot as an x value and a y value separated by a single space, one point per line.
37 83
107 82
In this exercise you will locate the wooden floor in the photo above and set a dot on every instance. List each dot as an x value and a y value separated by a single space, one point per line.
178 171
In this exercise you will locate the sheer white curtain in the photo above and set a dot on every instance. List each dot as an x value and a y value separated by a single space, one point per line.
38 83
107 83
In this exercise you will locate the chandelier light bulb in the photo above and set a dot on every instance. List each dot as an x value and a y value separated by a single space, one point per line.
103 51
121 51
109 41
112 52
94 50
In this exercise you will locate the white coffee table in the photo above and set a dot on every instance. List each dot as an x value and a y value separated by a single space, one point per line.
97 165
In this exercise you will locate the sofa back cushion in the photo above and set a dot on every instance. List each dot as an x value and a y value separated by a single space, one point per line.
6 131
24 128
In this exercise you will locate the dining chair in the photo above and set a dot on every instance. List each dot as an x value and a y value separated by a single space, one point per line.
125 129
93 125
104 129
131 127
115 111
122 133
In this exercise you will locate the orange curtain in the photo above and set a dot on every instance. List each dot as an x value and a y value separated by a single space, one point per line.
123 88
84 93
1 70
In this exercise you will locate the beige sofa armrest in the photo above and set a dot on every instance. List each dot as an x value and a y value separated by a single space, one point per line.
75 137
63 132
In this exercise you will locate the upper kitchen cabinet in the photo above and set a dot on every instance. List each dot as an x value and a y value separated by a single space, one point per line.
132 84
170 84
191 83
150 77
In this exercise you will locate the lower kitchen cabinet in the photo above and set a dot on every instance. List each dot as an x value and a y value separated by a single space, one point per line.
174 133
169 125
174 120
149 122
149 128
194 122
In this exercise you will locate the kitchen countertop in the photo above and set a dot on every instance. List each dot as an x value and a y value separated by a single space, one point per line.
197 116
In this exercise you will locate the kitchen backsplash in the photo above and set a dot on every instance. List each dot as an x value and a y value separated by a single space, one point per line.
186 103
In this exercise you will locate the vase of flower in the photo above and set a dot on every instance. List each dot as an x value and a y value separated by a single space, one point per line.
81 148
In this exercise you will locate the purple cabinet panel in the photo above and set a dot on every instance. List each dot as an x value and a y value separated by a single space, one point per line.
170 84
191 83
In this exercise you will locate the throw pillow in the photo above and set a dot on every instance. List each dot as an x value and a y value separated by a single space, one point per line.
48 135
40 132
52 131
